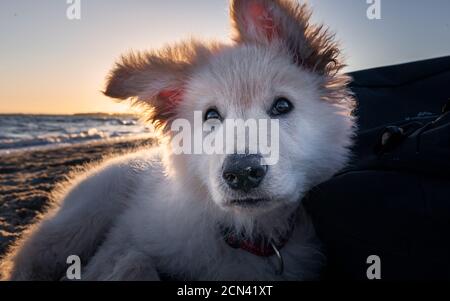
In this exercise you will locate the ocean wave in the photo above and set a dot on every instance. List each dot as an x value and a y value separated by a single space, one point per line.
91 134
29 132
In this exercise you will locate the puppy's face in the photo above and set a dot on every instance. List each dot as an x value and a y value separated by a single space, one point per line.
279 69
257 83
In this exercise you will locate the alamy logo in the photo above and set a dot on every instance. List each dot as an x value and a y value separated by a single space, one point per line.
73 11
74 270
374 10
374 270
230 136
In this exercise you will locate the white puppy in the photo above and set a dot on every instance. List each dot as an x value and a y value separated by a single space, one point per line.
155 214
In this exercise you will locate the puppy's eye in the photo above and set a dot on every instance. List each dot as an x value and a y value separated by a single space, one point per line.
212 114
281 106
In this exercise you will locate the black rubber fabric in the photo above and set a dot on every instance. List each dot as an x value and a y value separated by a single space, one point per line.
395 202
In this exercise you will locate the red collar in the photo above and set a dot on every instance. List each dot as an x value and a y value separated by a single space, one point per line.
259 246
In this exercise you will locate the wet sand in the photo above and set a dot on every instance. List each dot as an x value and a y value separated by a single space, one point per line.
27 179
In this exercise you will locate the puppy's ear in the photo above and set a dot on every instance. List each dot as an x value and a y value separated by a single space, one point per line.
157 79
286 22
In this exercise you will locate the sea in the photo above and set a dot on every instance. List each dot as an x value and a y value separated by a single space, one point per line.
33 132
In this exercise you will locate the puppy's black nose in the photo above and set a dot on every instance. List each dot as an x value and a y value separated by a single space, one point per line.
243 172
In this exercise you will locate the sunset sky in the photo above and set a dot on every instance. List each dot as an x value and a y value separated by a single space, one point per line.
49 64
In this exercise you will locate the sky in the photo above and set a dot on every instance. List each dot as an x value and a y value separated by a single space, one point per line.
50 64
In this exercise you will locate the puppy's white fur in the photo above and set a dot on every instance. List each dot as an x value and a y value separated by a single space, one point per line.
154 213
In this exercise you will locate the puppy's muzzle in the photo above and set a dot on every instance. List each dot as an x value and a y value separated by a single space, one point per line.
243 172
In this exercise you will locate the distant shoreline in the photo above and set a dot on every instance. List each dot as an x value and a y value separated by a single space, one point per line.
73 114
52 147
25 132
